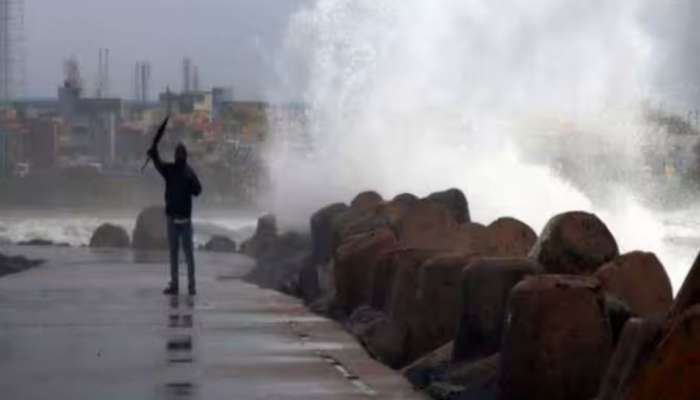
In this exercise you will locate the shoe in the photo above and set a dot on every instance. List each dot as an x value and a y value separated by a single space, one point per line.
192 291
171 290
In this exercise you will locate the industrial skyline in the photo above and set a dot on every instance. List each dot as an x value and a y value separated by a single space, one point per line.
234 43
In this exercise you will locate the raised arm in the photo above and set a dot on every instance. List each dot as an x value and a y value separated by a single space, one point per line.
157 162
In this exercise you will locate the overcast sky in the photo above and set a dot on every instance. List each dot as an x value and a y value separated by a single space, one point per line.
235 42
232 41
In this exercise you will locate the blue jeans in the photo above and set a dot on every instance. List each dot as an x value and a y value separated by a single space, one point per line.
180 232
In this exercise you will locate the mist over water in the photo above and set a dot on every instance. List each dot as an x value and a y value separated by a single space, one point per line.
417 96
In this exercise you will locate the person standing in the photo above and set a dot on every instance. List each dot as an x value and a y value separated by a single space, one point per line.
181 184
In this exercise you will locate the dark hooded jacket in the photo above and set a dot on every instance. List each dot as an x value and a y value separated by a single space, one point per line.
181 183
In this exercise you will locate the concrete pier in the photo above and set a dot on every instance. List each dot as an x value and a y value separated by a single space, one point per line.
94 325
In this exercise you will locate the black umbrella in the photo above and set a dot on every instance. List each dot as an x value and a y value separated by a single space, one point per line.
156 139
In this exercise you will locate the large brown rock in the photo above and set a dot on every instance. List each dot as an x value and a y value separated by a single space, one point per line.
404 304
637 341
425 224
280 261
354 266
150 232
383 279
509 237
438 294
406 199
689 294
455 201
574 243
110 236
316 280
638 279
359 219
483 299
263 239
366 200
672 370
557 340
383 337
322 231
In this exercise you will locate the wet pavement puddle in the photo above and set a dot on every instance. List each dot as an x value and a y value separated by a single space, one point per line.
180 348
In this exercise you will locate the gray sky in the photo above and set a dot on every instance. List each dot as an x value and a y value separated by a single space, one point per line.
235 42
232 41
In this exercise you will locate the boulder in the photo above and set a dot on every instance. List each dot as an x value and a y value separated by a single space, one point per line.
689 294
317 281
356 220
425 224
263 239
309 285
108 235
278 267
438 294
557 340
673 368
618 314
508 237
455 201
322 231
638 339
220 244
429 368
354 266
404 304
483 300
638 279
383 337
151 231
366 200
574 243
406 199
383 279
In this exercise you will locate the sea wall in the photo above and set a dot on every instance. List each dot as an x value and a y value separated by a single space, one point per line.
489 311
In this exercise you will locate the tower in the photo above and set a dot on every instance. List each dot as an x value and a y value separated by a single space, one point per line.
11 49
142 81
195 79
103 74
186 75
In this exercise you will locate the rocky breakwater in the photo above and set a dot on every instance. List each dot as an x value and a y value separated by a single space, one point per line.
468 310
280 256
658 355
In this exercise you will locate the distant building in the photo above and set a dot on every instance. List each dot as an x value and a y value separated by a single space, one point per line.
42 139
221 98
90 124
10 151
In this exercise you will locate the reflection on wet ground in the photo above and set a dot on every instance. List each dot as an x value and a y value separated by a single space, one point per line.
180 349
94 325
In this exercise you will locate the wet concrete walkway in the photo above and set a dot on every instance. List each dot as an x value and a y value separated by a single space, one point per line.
93 325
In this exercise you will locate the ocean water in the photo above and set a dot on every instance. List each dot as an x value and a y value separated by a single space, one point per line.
677 250
531 108
75 227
